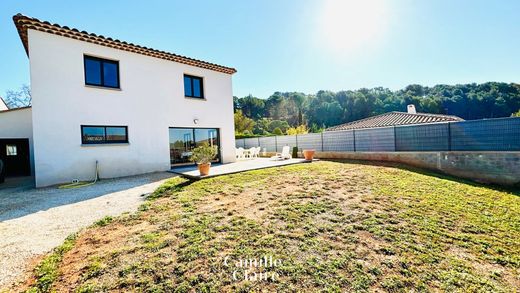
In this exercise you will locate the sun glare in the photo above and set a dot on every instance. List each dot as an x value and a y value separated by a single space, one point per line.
346 26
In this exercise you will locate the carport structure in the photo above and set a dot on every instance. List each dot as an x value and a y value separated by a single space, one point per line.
16 142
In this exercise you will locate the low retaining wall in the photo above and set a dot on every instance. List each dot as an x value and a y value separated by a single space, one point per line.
487 167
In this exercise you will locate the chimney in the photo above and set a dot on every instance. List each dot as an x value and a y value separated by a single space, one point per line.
411 109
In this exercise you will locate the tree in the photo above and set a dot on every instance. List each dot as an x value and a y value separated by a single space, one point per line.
277 131
275 106
316 129
252 107
298 100
262 126
243 123
281 124
302 129
326 108
516 114
236 104
18 98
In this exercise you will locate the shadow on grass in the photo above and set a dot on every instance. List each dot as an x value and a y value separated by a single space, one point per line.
171 186
515 189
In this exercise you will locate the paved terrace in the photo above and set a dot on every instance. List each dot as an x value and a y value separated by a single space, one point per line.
239 166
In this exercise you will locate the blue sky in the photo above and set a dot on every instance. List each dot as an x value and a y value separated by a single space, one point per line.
299 45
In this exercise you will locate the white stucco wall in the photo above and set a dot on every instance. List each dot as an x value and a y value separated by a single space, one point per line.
150 101
3 106
18 124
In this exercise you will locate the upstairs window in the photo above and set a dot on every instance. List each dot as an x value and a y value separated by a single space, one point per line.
104 134
193 87
101 72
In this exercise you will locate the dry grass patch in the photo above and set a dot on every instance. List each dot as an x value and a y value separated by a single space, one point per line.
335 226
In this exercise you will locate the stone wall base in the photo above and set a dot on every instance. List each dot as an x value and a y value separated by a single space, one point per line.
501 168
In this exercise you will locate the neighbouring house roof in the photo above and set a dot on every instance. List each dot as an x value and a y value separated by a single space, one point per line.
3 105
16 109
24 23
394 119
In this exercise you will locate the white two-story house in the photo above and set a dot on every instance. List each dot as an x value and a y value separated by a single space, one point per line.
130 108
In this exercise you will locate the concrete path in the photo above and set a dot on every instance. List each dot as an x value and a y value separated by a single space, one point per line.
34 221
192 172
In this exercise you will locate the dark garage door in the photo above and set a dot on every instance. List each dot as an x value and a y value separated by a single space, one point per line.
15 155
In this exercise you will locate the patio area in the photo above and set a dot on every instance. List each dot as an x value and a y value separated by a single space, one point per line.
192 172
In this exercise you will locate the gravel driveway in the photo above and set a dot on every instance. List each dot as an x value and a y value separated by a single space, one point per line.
34 221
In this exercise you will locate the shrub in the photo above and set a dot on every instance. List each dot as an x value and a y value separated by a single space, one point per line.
302 129
203 154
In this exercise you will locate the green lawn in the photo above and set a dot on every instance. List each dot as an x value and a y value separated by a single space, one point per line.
332 226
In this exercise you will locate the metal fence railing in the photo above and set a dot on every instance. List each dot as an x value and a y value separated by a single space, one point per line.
501 134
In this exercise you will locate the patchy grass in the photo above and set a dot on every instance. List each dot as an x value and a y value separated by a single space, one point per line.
334 226
104 221
48 269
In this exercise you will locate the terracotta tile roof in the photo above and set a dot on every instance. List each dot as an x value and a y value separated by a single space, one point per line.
24 23
393 119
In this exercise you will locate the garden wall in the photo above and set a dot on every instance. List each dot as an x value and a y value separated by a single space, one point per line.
501 168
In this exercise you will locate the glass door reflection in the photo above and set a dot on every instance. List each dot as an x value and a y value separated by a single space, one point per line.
184 140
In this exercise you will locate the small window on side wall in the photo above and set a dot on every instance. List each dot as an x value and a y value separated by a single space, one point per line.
101 72
193 87
91 134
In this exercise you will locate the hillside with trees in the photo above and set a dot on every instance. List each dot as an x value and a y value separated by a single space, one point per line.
294 112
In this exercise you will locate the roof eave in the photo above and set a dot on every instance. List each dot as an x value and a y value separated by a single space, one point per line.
24 23
22 32
16 109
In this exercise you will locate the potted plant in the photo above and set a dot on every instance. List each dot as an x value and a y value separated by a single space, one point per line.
308 154
202 155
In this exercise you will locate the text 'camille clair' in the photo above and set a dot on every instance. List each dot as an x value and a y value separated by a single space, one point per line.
253 269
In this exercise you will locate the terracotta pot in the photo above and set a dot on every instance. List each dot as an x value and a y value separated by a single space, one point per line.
308 154
204 169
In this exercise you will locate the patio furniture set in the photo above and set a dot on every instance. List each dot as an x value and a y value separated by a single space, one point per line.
250 153
254 152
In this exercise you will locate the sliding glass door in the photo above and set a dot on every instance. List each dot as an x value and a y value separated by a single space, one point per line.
184 140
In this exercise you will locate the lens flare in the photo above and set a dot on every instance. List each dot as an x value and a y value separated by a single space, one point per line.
351 25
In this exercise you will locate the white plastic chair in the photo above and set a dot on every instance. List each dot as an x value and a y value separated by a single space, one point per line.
239 153
251 153
254 152
284 155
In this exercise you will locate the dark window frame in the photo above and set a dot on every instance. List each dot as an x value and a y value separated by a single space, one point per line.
105 141
102 73
192 77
